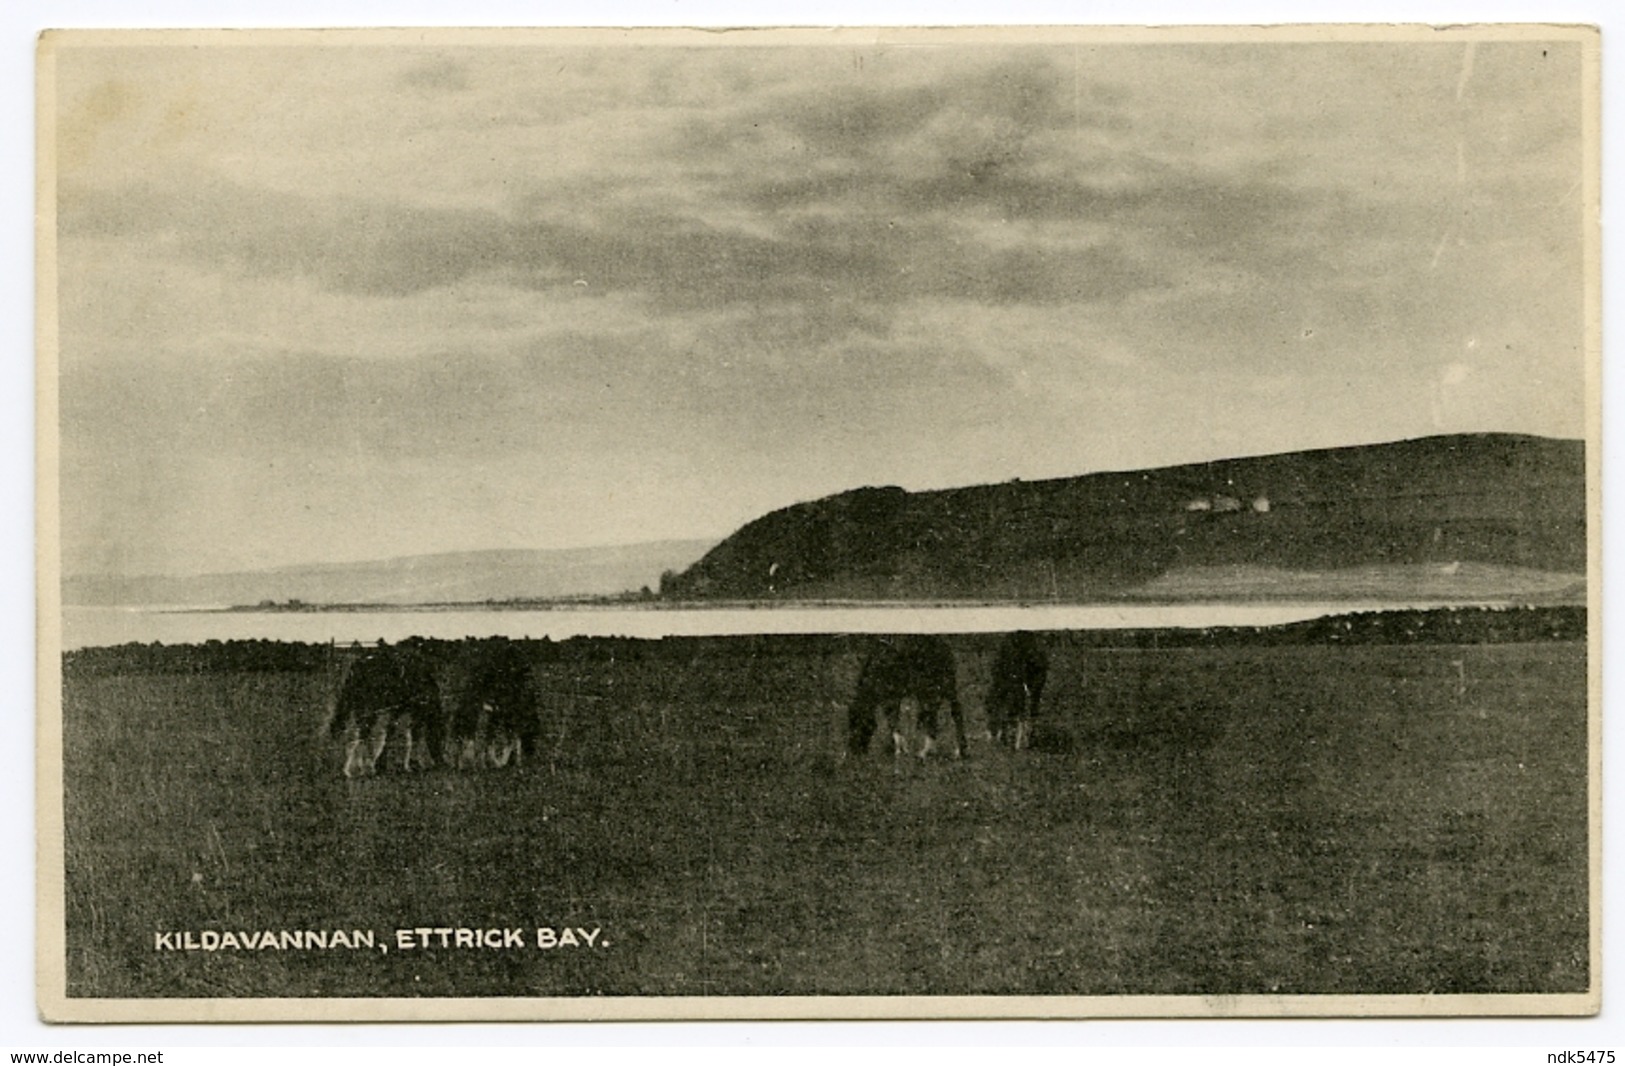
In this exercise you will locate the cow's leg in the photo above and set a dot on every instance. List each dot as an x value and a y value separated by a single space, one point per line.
419 745
500 747
506 745
516 740
476 740
958 715
353 764
530 733
991 712
1034 691
860 726
432 746
998 712
1024 734
408 744
925 720
379 740
365 744
893 711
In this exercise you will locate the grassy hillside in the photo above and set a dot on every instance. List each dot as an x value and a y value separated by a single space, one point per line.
1481 500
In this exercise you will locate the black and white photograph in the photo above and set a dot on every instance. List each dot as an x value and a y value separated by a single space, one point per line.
784 524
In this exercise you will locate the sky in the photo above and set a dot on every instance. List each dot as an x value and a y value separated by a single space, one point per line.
325 303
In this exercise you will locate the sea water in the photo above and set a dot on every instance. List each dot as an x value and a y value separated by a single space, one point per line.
99 626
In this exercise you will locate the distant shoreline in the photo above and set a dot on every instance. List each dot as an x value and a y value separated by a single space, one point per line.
104 628
1434 626
1401 585
1373 602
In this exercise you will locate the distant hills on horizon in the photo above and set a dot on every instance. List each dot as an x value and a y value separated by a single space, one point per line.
451 577
1457 517
1464 516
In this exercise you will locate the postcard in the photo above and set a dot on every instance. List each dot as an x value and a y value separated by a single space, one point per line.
864 523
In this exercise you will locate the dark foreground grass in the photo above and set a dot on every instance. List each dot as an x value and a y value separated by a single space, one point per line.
1213 821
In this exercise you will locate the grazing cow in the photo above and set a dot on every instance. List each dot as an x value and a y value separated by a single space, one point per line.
388 689
1019 668
899 668
497 719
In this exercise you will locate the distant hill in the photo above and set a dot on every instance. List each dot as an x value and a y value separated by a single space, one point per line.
461 577
1475 513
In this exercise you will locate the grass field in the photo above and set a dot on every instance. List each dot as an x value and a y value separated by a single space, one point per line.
1298 820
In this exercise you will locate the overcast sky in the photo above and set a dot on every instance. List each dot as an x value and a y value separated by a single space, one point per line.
348 302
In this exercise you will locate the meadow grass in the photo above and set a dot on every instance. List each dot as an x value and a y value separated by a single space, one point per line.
1294 820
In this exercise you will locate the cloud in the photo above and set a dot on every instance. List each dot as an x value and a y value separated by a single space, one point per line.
567 393
188 450
733 278
879 219
393 250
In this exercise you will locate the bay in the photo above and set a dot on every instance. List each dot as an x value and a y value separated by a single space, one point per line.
102 626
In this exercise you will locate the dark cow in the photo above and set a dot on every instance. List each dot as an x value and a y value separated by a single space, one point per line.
899 668
388 689
1019 668
498 718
